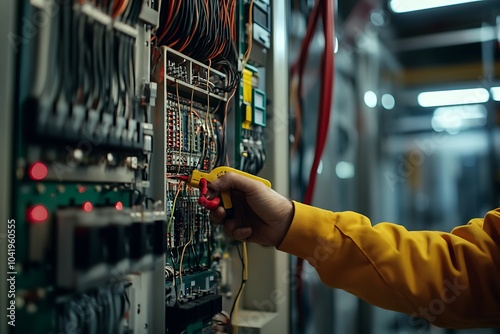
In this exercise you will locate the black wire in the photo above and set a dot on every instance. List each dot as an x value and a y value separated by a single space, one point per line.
126 16
127 285
236 298
66 52
60 55
96 60
83 68
149 199
138 199
76 55
243 281
240 256
131 44
110 6
108 46
221 147
118 71
137 11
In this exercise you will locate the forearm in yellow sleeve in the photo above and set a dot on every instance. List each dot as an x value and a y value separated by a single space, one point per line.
450 279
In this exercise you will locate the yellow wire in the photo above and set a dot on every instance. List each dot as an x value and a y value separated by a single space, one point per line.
245 262
236 302
182 260
227 104
224 124
173 208
243 284
207 117
180 125
192 139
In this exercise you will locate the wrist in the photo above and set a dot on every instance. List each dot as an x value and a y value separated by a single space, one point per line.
288 215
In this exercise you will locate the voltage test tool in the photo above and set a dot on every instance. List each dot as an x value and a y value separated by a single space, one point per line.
200 180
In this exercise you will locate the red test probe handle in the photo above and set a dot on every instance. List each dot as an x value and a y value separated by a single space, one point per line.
204 201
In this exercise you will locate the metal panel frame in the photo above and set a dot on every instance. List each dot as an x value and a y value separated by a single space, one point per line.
7 26
150 284
265 302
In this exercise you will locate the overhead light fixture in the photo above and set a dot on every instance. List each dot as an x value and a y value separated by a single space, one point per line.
453 97
371 99
388 101
405 6
455 118
495 93
345 170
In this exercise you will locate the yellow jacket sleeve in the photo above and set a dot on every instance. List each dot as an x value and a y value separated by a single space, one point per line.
450 279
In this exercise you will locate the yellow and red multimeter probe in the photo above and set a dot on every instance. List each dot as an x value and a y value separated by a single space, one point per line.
200 180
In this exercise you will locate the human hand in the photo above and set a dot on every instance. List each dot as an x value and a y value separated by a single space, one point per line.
261 215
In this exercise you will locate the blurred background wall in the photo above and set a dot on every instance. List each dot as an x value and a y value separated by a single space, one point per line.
414 132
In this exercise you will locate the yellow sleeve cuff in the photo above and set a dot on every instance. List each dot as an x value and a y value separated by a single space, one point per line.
311 230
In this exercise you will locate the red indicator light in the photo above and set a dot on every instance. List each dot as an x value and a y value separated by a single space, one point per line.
87 207
119 206
81 189
38 171
37 214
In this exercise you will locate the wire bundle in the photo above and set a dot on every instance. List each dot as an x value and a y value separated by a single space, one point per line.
100 311
201 29
113 55
88 64
204 30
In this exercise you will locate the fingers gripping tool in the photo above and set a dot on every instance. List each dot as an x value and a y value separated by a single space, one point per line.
202 179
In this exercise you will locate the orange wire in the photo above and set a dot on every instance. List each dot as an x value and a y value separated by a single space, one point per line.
119 8
170 21
233 26
193 33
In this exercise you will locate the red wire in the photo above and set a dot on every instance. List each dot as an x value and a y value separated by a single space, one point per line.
299 67
311 29
326 98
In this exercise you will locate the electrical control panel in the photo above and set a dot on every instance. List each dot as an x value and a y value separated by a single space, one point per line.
191 98
85 222
116 103
250 119
251 122
261 22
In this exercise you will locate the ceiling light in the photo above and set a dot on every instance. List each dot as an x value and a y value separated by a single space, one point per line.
453 97
345 170
404 6
455 118
495 93
371 99
388 101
